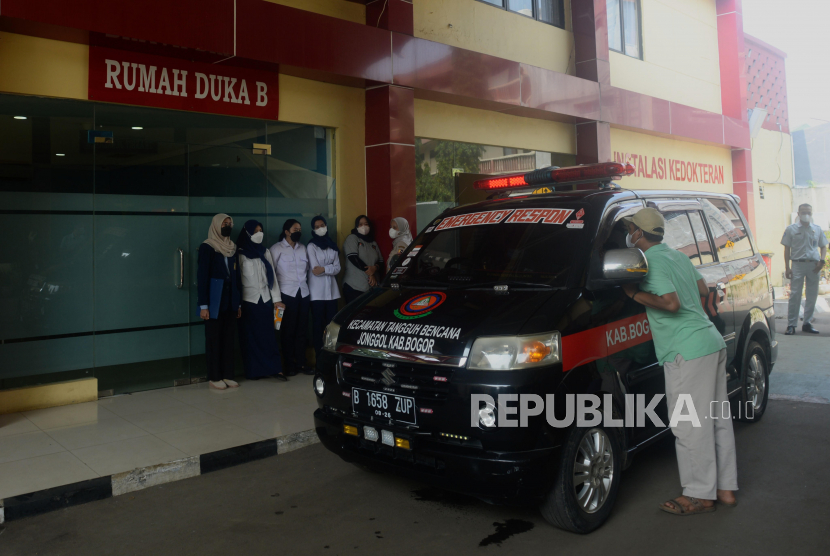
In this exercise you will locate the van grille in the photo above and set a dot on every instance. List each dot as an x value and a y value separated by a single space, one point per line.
417 381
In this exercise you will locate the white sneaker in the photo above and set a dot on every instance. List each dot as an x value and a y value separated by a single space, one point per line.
219 385
231 383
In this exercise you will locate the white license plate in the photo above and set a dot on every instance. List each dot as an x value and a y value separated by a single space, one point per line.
383 405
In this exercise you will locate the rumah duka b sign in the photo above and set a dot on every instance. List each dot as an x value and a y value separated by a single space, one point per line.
147 80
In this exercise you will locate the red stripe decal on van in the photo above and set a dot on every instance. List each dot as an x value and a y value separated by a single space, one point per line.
602 341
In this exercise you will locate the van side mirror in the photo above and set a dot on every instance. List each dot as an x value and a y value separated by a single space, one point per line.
624 265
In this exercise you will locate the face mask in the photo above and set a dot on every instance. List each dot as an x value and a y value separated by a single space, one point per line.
393 233
226 231
257 237
321 231
295 236
628 243
363 230
806 218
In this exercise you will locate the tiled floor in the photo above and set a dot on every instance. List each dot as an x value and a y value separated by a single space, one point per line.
61 445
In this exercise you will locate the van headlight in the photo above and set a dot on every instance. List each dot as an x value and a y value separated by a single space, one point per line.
507 353
330 336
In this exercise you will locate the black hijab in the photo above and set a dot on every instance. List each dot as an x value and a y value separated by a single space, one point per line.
368 238
253 250
323 242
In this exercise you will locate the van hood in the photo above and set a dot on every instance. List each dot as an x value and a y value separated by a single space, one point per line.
439 324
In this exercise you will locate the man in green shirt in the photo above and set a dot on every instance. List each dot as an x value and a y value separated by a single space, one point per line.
693 355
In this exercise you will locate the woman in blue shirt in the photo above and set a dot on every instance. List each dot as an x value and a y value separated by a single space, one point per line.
218 299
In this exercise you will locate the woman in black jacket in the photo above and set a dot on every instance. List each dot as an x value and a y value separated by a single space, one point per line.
219 300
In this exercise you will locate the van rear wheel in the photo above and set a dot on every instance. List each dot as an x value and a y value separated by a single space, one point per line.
587 481
754 384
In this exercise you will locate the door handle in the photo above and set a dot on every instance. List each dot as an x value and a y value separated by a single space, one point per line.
181 269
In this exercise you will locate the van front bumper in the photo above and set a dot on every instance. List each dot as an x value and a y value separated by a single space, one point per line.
500 477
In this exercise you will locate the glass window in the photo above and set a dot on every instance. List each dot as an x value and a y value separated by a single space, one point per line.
524 7
548 11
612 8
728 232
624 26
679 235
704 246
503 252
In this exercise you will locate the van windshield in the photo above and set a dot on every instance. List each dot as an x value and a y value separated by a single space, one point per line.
522 247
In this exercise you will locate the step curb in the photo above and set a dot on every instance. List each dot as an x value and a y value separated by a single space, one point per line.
66 496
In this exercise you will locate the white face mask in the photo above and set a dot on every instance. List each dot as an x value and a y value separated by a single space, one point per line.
806 218
630 244
321 231
363 230
393 233
257 237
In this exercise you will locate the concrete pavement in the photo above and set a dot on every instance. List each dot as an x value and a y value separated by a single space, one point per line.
310 502
803 367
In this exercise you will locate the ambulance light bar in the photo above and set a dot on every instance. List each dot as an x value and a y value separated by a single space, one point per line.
604 171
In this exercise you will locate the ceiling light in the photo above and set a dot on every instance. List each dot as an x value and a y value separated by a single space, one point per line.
137 127
59 154
20 117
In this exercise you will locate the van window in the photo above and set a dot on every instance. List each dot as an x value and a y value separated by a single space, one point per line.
499 252
679 235
704 246
728 232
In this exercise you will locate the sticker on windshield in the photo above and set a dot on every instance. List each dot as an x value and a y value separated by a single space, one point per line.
543 216
415 250
420 305
577 221
473 219
406 262
399 270
428 230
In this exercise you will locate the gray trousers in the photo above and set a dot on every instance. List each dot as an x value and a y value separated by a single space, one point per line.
705 454
801 272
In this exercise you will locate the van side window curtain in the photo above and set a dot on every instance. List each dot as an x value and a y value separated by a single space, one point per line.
624 26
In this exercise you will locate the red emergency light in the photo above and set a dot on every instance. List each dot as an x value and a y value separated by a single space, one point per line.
604 171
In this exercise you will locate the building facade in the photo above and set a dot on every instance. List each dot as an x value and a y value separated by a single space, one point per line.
124 126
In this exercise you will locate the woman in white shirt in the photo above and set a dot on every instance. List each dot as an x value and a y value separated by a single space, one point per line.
260 298
291 262
324 266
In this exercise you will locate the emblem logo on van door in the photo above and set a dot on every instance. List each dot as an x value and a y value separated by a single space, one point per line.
420 305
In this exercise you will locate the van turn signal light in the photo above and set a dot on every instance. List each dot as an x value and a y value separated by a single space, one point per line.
349 429
402 443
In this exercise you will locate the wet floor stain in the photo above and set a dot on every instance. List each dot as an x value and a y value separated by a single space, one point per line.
506 530
444 497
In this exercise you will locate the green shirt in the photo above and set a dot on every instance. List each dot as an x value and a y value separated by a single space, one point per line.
689 331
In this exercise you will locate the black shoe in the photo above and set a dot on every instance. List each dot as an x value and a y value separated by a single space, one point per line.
308 370
290 372
808 328
790 331
281 377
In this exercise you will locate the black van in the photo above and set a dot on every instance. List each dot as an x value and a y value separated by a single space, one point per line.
520 294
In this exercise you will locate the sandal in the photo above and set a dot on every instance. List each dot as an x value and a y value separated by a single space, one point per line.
679 509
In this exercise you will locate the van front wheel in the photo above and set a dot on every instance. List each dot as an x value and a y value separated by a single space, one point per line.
587 481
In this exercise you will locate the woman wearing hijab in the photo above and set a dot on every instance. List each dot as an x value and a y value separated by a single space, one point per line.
364 266
401 238
291 262
218 299
260 298
324 266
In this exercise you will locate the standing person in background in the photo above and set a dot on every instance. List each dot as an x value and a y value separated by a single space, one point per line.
218 299
401 238
364 266
806 246
260 298
324 266
291 261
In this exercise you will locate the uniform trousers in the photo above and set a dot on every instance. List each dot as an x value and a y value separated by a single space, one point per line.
802 271
294 331
705 454
219 333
